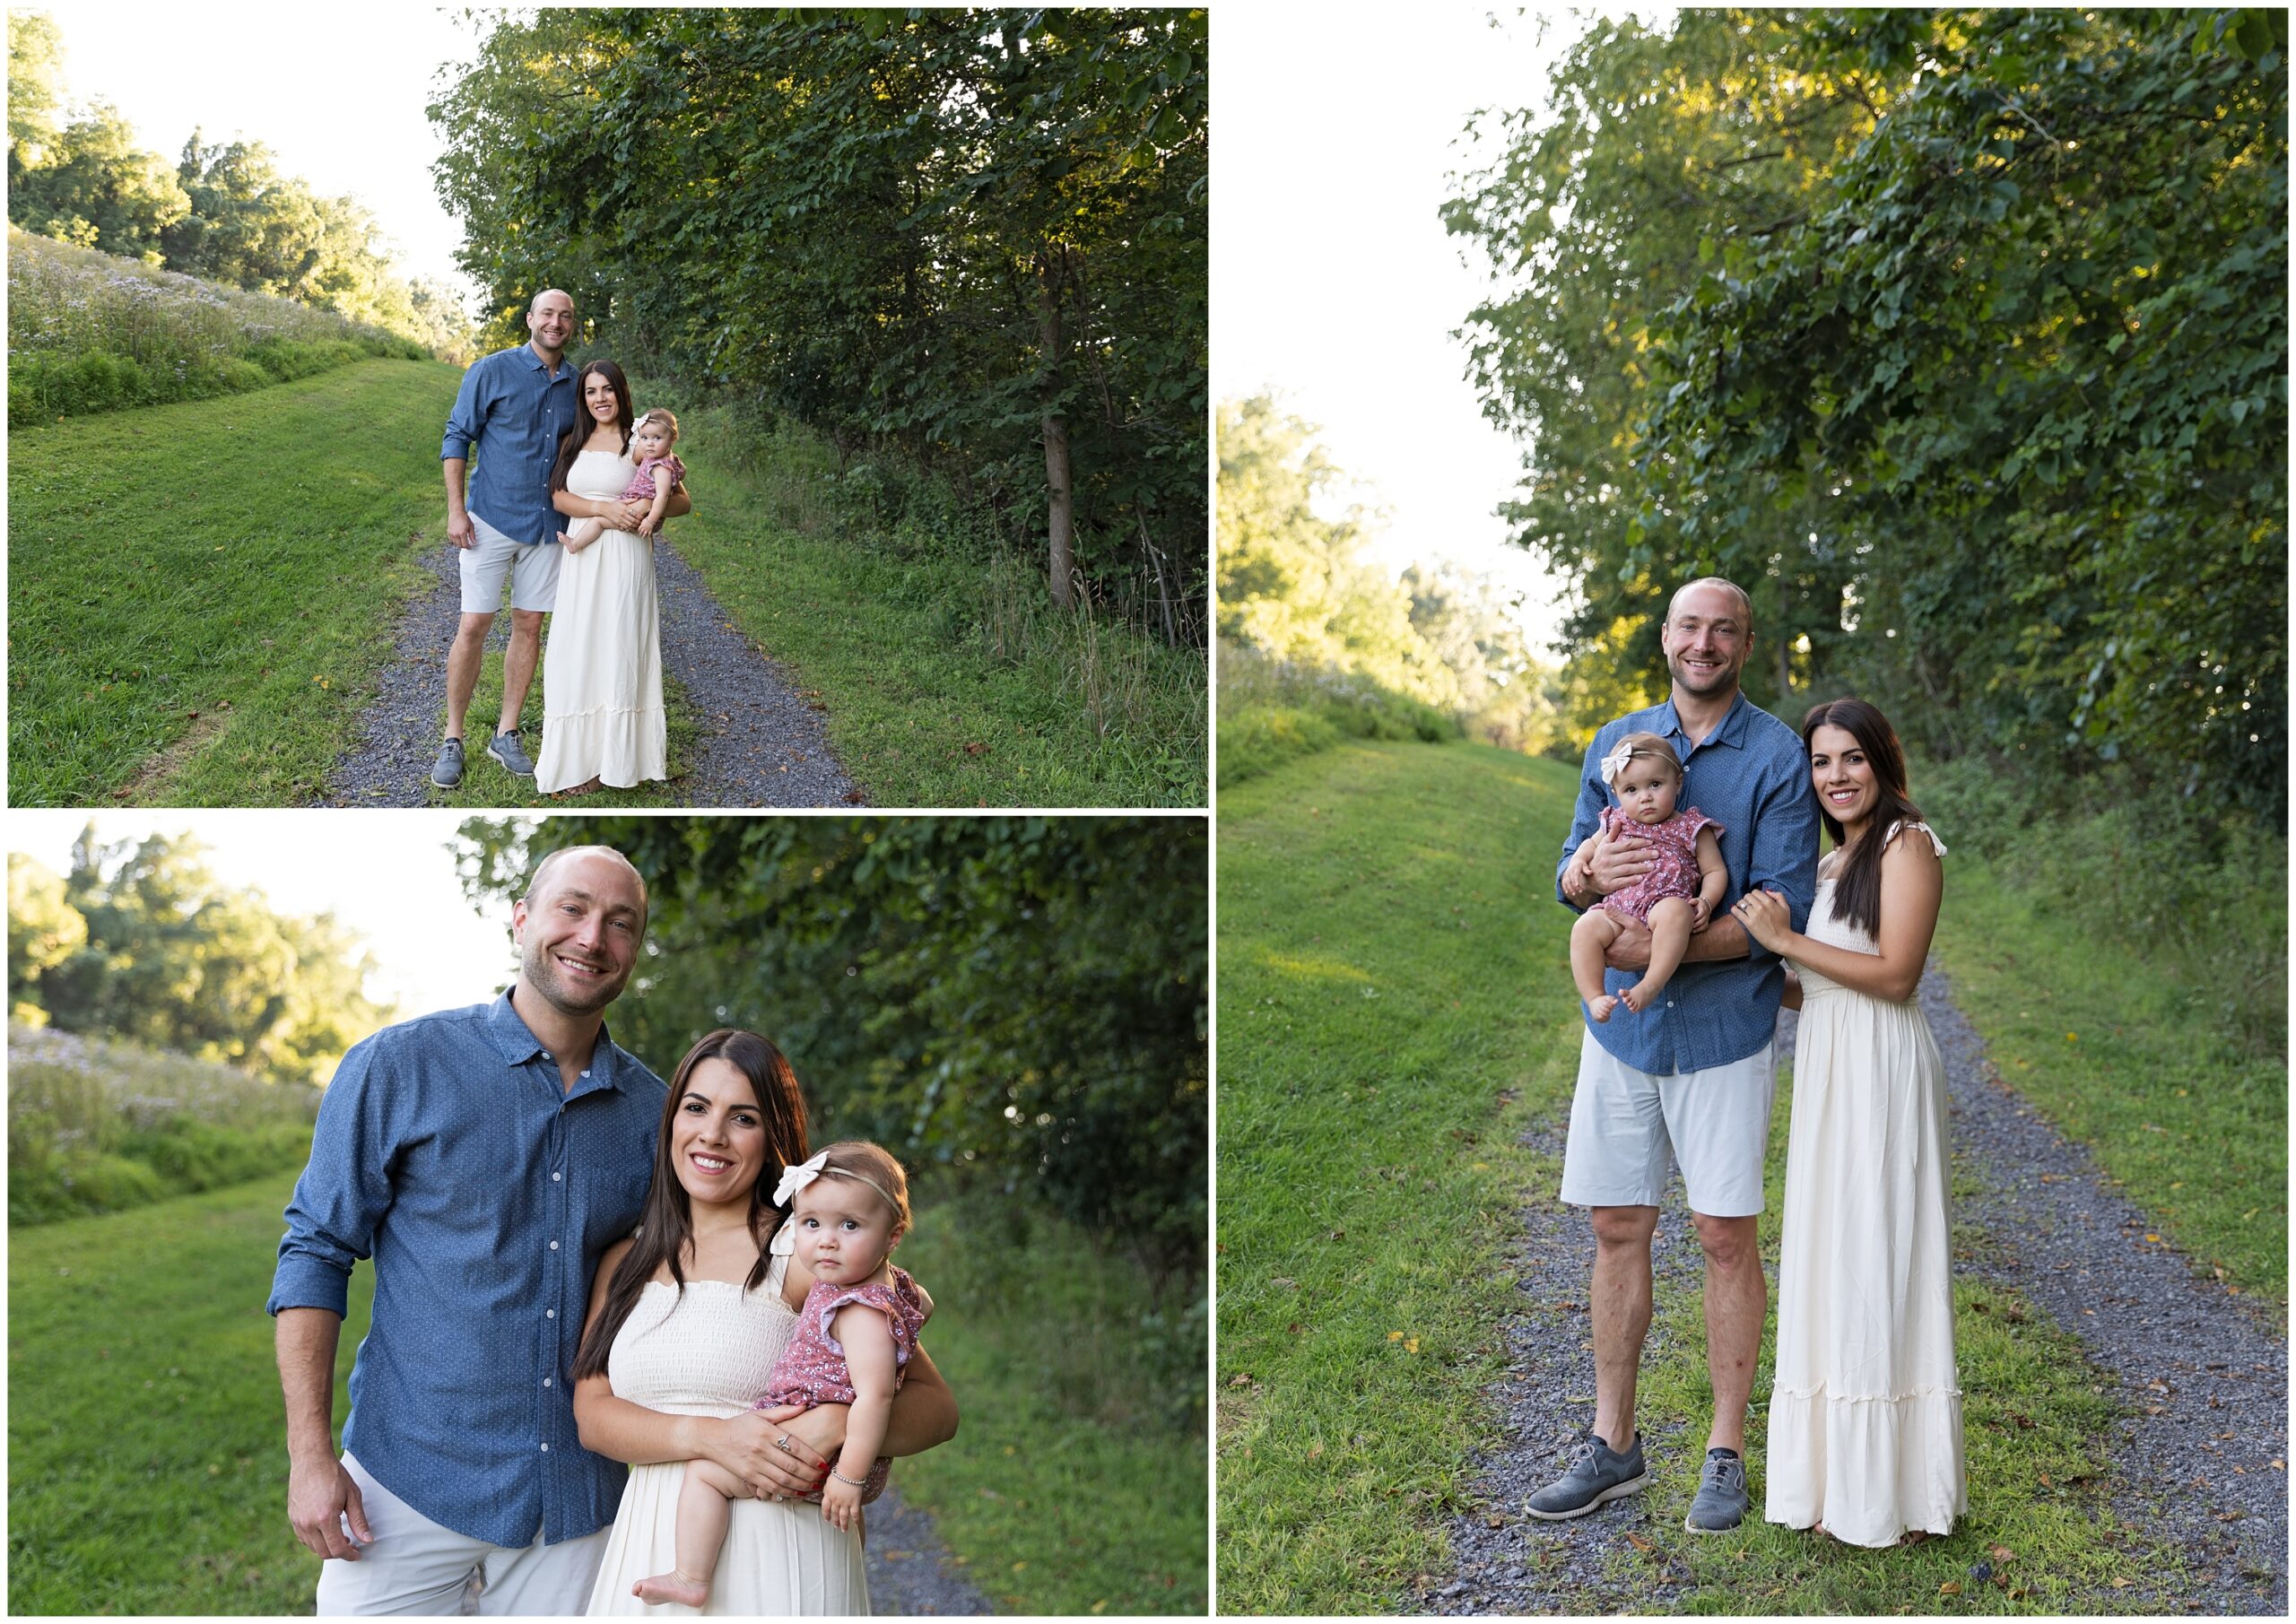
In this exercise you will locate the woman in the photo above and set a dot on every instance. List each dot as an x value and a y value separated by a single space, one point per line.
686 1319
603 718
1866 1417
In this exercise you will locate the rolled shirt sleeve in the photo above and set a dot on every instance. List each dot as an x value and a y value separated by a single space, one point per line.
464 422
1784 856
342 1196
1588 816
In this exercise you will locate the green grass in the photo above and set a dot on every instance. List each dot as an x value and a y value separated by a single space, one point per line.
947 677
2121 1058
147 1464
200 597
1395 1007
1076 1483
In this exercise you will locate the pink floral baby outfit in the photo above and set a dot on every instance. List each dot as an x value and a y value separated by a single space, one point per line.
1674 843
642 488
812 1370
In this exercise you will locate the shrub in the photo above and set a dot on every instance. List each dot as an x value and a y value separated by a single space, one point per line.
1273 711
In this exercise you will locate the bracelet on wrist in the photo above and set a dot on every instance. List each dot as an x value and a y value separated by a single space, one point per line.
849 1482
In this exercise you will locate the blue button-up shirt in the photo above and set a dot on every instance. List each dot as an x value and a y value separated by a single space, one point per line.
516 411
448 1151
1751 775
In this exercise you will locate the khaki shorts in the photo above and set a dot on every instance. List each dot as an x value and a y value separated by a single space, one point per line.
1624 1122
530 567
416 1567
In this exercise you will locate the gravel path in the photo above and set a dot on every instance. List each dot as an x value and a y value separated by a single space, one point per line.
763 740
2203 1374
910 1571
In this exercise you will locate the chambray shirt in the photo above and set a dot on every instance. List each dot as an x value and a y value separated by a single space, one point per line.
515 411
448 1150
1751 775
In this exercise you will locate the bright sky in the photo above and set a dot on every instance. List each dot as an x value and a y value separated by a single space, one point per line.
1333 282
386 874
336 92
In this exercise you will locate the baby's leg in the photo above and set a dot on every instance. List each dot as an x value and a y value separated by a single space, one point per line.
703 1513
1669 941
1590 939
581 533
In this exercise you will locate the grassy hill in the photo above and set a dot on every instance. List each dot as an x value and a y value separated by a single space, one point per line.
147 1469
1395 1009
203 596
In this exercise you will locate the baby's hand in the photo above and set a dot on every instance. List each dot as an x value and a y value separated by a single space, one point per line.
840 1501
646 527
1700 911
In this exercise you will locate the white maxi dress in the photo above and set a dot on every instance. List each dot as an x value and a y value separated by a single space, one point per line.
603 715
710 1354
1866 1417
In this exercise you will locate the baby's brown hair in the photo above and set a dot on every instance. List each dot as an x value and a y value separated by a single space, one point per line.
873 1166
665 414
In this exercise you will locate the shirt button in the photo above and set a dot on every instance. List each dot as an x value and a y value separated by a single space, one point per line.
553 1245
554 1177
545 1381
586 1073
546 1448
549 1314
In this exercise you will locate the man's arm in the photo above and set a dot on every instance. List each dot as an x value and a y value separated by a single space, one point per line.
1630 950
925 1415
1574 888
463 425
319 1491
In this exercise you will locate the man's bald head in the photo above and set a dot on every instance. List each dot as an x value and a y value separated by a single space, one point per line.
539 885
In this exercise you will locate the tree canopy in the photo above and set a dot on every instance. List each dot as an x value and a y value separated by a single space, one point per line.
223 212
139 940
1958 337
1018 1002
978 237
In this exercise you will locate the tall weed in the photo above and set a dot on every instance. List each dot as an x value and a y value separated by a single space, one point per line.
89 332
1273 711
95 1126
2205 898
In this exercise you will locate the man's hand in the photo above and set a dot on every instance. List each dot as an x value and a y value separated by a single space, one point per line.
1619 863
459 529
320 1493
747 1447
1630 950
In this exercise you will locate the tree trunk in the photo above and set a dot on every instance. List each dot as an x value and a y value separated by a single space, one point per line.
1062 518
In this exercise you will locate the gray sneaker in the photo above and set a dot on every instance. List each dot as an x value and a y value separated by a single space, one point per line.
447 771
1596 1474
504 748
1721 1502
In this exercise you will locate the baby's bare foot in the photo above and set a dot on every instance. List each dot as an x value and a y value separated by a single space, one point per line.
1599 1009
664 1588
1635 998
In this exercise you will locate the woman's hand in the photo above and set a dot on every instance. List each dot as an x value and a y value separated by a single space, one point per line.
772 1459
1766 919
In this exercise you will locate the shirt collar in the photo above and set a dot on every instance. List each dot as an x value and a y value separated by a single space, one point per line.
535 361
1730 729
517 1045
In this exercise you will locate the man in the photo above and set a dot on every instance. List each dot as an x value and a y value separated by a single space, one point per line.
516 405
1696 1071
484 1159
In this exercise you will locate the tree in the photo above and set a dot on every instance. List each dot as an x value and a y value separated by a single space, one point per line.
1296 585
171 958
35 92
1959 338
99 189
976 238
1015 1001
44 931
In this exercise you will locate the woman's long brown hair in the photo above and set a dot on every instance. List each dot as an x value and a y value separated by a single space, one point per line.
570 446
1858 888
667 1227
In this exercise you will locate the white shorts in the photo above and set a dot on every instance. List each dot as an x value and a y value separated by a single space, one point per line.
1623 1121
531 568
415 1567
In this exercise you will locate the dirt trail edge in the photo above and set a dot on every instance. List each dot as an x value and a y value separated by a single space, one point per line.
2192 1364
763 741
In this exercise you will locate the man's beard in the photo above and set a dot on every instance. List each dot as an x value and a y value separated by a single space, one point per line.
541 975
